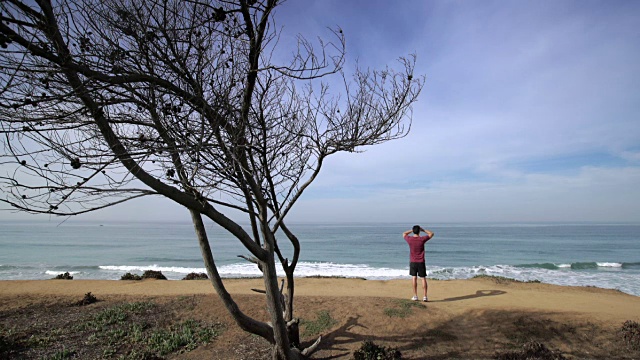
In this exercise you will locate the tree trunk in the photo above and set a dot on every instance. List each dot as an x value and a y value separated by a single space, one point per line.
293 330
278 333
282 347
245 322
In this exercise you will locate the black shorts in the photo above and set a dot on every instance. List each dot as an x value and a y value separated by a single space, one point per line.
417 268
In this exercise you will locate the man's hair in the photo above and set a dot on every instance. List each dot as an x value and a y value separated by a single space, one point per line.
416 229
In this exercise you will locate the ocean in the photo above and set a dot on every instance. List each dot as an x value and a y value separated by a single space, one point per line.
580 254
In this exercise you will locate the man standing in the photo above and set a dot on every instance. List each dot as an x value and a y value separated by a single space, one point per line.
416 258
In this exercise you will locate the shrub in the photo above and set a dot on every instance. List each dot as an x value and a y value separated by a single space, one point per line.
196 276
65 276
631 334
152 274
370 351
88 299
130 276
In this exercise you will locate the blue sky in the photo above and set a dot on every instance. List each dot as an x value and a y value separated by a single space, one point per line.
530 112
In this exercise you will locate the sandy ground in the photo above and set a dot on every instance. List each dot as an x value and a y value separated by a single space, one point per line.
455 296
464 319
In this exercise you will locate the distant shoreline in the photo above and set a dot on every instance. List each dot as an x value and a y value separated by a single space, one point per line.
60 221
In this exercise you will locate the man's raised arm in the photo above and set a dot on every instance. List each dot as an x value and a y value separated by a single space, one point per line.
429 233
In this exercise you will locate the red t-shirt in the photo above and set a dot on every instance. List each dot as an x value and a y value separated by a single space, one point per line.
416 247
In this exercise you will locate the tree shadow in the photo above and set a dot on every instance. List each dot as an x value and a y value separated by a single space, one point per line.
479 293
336 340
474 334
339 343
340 336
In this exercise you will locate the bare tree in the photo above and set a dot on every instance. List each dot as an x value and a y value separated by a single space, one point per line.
105 101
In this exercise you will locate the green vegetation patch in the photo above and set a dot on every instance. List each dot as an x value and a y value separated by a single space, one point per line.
115 315
120 325
61 355
185 336
323 322
125 331
402 308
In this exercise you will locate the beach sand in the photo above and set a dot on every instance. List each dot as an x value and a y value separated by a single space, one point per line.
468 319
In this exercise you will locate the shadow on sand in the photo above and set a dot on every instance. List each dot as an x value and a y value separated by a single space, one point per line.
479 293
340 340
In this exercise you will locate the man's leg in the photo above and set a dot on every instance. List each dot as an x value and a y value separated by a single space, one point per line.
415 286
424 286
423 275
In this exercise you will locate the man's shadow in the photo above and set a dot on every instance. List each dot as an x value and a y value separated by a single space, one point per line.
479 293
